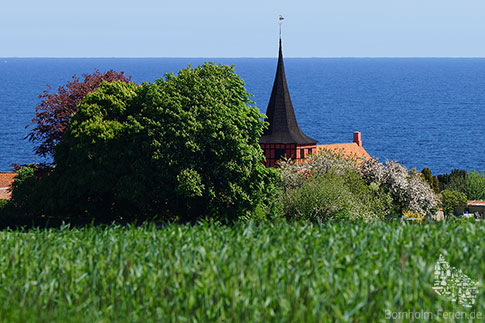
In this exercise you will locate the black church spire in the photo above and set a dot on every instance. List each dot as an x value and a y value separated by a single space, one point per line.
283 127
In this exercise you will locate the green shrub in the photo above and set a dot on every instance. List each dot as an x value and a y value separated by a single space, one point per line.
333 197
378 201
475 185
23 185
32 194
452 200
322 198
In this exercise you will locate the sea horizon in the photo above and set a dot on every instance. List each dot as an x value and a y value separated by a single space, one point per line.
244 57
422 112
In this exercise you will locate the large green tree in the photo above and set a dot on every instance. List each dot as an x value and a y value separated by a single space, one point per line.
475 185
452 200
455 181
182 148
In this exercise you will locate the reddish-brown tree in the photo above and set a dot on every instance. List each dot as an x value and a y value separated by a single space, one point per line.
52 115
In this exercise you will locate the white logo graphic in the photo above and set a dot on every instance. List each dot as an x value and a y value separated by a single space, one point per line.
452 283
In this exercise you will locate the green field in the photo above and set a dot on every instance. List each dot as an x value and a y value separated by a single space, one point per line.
268 272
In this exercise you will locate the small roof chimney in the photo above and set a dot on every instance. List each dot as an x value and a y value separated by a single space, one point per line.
358 138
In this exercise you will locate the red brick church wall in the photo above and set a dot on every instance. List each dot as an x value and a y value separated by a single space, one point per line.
275 152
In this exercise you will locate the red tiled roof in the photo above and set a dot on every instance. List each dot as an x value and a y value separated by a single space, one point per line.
6 179
476 203
350 149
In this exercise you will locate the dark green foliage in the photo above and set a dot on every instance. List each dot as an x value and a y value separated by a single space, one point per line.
24 191
244 273
432 180
454 181
452 200
427 174
436 184
180 149
95 160
24 186
31 195
475 185
471 183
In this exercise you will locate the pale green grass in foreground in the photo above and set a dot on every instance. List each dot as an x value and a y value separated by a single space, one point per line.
281 272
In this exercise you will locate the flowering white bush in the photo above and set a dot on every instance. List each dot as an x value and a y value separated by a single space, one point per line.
407 188
294 174
327 186
387 188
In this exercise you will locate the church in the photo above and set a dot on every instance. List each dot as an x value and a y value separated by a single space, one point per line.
284 138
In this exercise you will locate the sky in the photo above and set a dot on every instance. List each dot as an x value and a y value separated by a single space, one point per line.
248 28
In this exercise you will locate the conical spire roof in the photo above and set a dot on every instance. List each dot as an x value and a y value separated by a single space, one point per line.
283 127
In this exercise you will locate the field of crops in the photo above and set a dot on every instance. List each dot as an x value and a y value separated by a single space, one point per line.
268 272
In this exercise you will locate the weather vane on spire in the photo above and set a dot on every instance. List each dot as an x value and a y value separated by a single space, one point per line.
281 23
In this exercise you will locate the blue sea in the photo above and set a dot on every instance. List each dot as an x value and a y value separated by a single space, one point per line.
422 112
